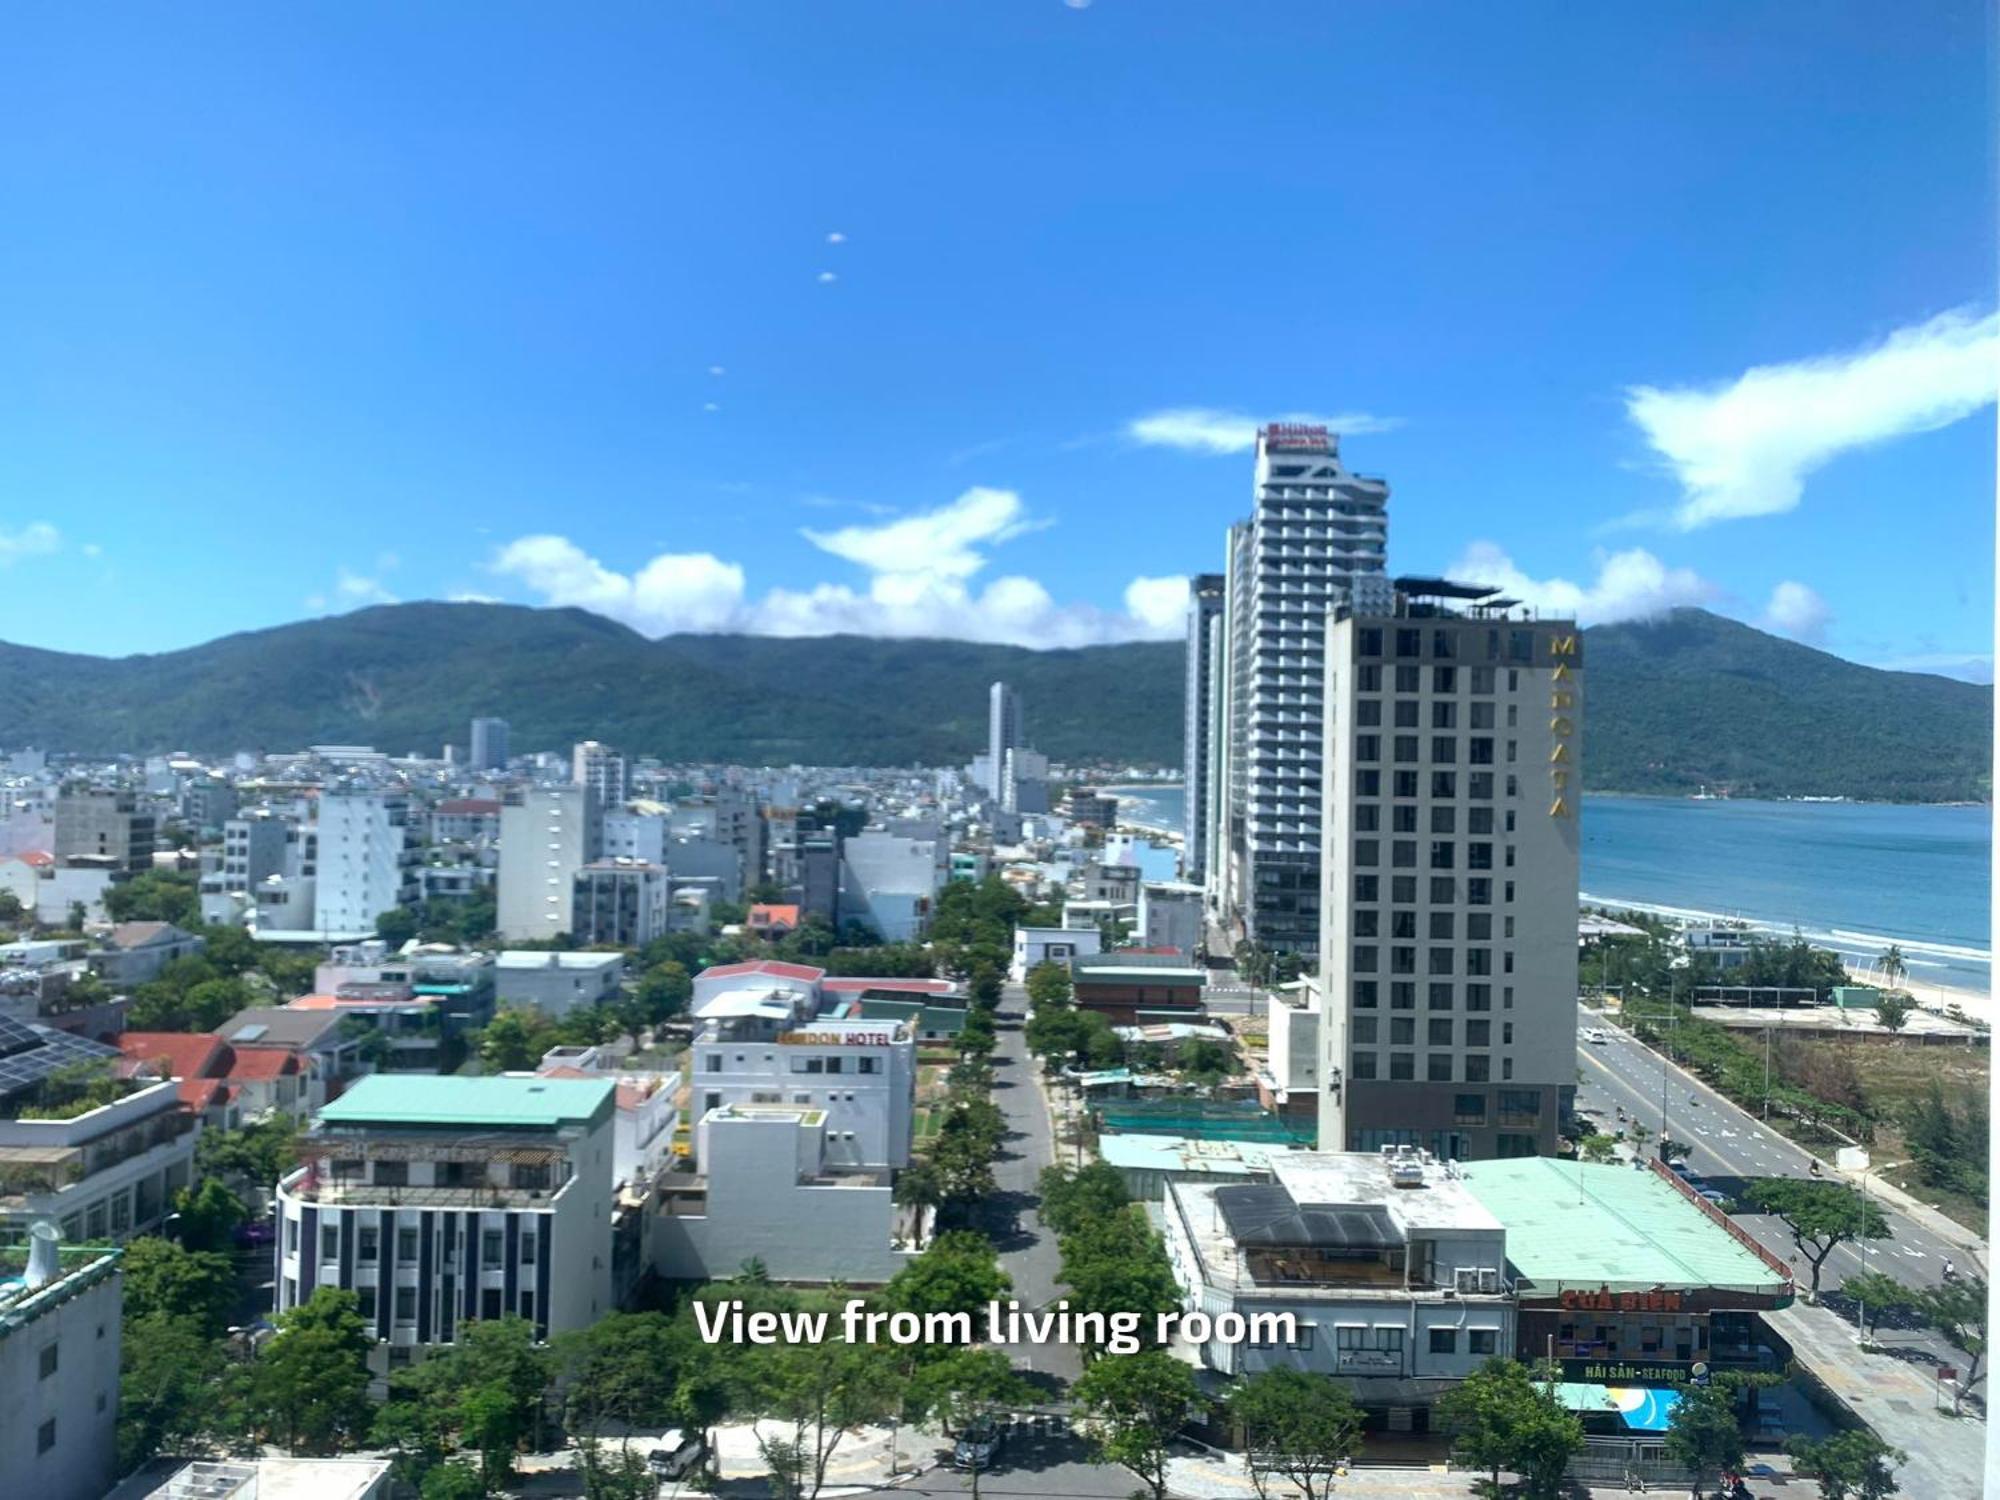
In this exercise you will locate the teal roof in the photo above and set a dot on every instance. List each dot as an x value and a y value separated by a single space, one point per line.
419 1099
1580 1225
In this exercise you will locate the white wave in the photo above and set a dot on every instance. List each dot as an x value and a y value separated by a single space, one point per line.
1838 938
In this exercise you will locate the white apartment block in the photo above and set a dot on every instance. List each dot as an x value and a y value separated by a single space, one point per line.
1394 1270
547 835
440 1200
601 769
620 903
1316 537
635 835
890 883
1448 969
556 983
60 1339
1003 733
366 864
765 1035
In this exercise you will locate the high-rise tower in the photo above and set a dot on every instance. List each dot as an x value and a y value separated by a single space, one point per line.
1003 733
1205 591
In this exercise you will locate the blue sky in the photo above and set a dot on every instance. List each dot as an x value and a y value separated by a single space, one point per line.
951 318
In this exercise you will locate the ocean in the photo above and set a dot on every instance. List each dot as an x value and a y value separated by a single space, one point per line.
1851 876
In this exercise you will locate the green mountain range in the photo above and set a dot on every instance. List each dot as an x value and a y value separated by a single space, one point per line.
1672 705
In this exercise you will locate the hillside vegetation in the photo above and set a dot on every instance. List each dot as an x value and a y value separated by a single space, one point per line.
1672 705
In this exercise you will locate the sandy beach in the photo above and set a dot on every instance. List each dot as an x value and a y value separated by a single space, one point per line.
1976 1005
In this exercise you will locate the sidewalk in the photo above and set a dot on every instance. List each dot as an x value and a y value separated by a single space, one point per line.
1223 1477
1898 1399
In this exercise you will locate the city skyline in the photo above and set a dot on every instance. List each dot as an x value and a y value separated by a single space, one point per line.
723 349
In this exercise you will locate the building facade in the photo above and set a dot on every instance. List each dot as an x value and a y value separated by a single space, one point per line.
366 862
1317 536
489 745
103 828
1003 733
1448 973
547 835
602 769
619 903
1205 597
60 1339
441 1200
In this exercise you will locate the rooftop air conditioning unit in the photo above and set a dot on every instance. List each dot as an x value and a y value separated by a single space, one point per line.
1465 1279
1489 1279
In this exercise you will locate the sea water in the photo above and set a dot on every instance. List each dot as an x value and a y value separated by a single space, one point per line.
1850 876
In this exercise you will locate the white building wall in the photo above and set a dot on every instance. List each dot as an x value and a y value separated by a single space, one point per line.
1036 945
545 838
363 859
79 1397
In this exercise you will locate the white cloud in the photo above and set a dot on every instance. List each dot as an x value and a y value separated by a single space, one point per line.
711 406
1629 585
1160 602
1744 448
352 590
36 539
920 583
675 591
1207 429
827 278
1797 611
91 549
836 238
470 598
716 370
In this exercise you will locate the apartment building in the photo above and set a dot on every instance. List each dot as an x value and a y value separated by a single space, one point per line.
60 1340
439 1200
366 862
547 835
602 770
620 903
1003 733
1206 592
488 745
1453 738
103 828
1316 537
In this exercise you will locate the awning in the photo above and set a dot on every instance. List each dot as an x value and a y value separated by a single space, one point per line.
1643 1408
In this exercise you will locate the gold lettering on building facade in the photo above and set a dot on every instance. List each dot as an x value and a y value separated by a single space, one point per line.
1562 727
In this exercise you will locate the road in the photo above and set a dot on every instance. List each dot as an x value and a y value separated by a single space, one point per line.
1729 1148
1028 1251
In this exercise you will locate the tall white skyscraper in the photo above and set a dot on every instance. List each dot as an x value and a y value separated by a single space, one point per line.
365 861
1316 537
1448 954
489 745
1003 733
1205 595
547 835
602 769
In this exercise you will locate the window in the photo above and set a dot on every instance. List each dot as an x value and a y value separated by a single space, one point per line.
1402 1067
392 1174
50 1355
864 1064
1479 926
1480 1340
291 1236
1402 995
1437 1067
1403 854
1444 1341
1480 752
1368 747
1482 716
1468 1109
1364 1031
1364 958
1479 821
1444 820
1479 891
1409 643
1478 1033
1444 749
1368 679
1441 959
491 1244
1367 783
711 1101
1437 1031
364 1297
45 1436
406 1304
1367 852
527 1249
1444 853
1482 679
1478 1067
489 1303
1369 642
1444 715
1406 713
1406 748
1403 889
1368 713
1408 679
329 1242
714 1062
1523 1102
1368 817
1366 886
1403 819
1479 785
1479 960
406 1245
1440 997
1444 890
528 1306
1364 994
1444 783
1402 960
1364 1066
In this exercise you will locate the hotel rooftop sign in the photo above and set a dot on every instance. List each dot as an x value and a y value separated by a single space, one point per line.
1297 437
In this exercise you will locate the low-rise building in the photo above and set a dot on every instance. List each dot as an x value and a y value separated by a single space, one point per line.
1288 1079
98 1155
1395 1272
330 1053
620 903
134 952
1057 945
60 1338
440 1200
1170 916
1131 986
769 921
556 983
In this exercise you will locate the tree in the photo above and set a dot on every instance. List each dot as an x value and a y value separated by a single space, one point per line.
1703 1433
1049 984
1116 1264
1205 1062
623 1369
1597 1148
154 896
1957 1309
663 991
510 1041
1075 1196
168 1368
162 1277
1894 965
963 1389
453 1481
1499 1418
958 1273
1822 1216
488 1388
1136 1404
11 909
309 1386
252 1157
919 1187
209 1215
1893 1009
1875 1294
819 1393
1852 1465
1303 1428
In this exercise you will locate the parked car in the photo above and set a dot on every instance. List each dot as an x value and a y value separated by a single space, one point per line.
978 1446
677 1454
1720 1199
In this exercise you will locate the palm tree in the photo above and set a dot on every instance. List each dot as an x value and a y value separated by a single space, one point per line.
1893 965
918 1187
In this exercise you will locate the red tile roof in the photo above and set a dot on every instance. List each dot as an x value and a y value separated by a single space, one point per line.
199 1094
762 966
770 914
179 1054
262 1064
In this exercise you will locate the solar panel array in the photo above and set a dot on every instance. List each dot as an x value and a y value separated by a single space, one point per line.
30 1053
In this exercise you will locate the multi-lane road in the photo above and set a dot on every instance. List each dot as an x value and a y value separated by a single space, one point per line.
1729 1148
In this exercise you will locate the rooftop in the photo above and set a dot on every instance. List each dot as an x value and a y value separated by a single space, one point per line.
530 1103
536 959
1173 1153
1576 1225
1442 1201
769 966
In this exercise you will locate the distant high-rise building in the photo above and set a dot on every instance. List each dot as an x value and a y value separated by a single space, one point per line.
102 828
366 863
1003 733
602 769
1316 537
1205 592
489 745
547 835
1448 956
1025 786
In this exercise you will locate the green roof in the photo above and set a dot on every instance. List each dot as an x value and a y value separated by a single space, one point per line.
419 1099
1573 1224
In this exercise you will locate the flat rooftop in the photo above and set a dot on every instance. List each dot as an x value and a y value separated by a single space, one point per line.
1174 1153
1576 1225
417 1099
1443 1201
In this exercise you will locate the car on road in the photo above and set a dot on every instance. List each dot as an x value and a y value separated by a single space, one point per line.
1720 1199
1595 1036
677 1454
978 1446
